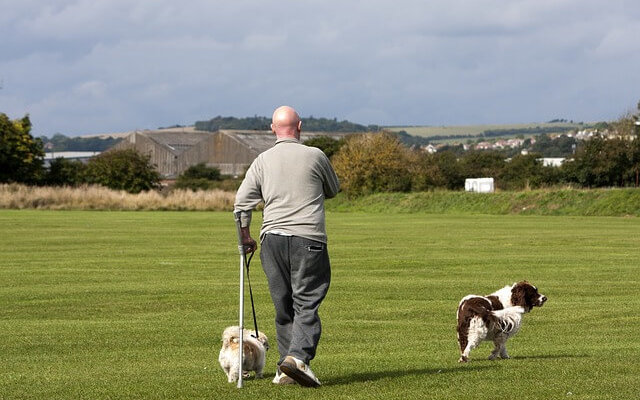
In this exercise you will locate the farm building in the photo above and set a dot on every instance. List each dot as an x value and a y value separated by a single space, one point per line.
176 149
82 156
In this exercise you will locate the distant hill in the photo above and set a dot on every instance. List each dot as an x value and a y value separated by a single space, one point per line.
444 133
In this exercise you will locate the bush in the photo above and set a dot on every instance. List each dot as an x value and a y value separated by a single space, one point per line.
198 177
201 171
123 170
372 163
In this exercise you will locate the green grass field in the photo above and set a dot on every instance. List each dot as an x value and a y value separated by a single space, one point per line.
131 305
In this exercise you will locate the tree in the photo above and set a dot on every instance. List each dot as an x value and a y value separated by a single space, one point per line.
60 142
635 155
123 170
438 170
561 146
523 171
21 156
372 163
451 169
426 173
64 172
482 164
327 144
625 127
600 163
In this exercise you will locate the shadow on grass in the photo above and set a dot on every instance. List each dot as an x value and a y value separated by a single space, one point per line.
549 356
480 364
374 376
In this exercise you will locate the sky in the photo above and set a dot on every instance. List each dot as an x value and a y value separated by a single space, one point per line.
94 66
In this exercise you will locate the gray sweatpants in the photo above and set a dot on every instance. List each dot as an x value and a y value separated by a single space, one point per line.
299 273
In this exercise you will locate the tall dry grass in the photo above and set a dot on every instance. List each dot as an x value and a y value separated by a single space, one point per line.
14 196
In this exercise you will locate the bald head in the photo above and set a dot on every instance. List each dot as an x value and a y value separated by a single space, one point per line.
286 123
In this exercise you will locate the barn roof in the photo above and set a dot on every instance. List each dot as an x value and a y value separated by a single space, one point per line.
173 150
257 141
260 141
177 140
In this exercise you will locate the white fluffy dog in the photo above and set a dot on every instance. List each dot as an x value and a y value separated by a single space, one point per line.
254 352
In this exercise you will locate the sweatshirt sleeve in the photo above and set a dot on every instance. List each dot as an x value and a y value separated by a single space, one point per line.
249 194
330 183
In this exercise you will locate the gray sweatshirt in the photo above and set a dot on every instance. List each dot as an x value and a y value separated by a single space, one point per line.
293 180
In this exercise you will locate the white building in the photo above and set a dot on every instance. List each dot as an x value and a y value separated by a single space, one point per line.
479 185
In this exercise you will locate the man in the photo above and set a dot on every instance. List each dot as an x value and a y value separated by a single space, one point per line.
293 180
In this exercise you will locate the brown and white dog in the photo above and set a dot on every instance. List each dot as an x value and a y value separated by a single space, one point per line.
253 356
495 317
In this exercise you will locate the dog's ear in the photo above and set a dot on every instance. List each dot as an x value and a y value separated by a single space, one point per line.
262 338
523 294
518 295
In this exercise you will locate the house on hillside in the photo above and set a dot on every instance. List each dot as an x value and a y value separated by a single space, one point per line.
231 151
431 149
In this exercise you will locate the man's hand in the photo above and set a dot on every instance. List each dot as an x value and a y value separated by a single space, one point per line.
249 244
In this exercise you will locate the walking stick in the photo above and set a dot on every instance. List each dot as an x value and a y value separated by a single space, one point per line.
236 216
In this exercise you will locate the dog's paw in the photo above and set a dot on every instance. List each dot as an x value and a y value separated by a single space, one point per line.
463 359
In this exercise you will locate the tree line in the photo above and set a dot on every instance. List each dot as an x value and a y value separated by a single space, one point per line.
310 124
380 162
60 142
365 163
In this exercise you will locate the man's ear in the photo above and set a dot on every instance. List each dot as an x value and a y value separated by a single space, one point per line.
272 130
299 126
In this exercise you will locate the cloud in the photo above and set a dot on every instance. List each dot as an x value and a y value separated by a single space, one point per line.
82 66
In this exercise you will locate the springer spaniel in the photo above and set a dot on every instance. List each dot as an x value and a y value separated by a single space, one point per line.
495 317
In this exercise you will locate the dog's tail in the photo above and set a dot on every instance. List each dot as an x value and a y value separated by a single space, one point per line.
230 335
509 319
